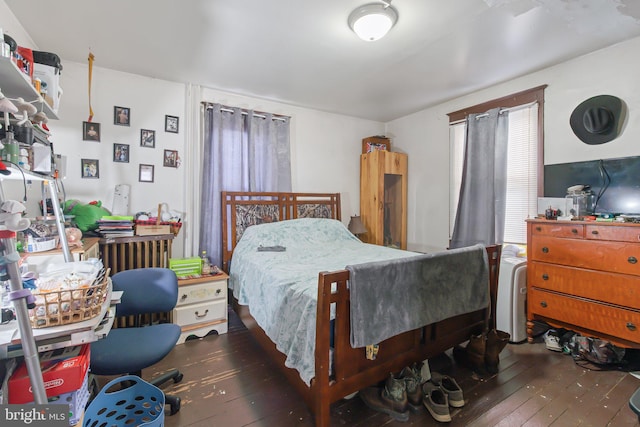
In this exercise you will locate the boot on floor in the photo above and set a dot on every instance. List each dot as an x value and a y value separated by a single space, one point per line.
473 355
390 399
496 342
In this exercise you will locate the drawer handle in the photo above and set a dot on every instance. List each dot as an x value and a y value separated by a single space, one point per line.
574 231
545 250
543 304
218 291
202 315
632 260
631 326
594 232
540 229
545 276
183 297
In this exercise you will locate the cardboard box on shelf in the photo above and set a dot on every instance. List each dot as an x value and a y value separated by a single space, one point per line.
63 371
152 230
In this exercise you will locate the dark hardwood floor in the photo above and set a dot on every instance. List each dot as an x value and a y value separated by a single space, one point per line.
229 382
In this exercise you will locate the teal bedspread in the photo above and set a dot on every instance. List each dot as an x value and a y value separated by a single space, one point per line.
281 286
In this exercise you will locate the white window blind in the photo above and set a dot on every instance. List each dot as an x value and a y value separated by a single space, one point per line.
522 171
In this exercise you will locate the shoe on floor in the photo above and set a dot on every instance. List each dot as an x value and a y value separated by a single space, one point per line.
436 402
552 340
413 384
450 387
390 399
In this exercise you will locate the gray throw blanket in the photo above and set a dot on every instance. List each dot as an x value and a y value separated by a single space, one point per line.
388 298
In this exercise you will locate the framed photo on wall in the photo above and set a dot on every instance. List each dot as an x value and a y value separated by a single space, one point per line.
90 131
171 124
147 138
121 116
145 173
90 168
121 153
170 159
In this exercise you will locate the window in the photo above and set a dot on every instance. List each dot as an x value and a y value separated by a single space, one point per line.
524 159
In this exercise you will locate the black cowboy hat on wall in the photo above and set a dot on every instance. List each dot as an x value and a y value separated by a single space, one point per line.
599 119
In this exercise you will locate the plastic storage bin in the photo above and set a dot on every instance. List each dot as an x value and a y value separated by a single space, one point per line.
141 404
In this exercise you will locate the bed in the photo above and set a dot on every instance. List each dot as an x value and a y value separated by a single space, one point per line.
274 276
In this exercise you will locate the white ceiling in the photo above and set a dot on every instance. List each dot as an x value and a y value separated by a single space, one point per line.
302 52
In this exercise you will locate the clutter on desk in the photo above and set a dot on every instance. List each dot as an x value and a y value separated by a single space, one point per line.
116 226
69 293
165 222
40 236
193 267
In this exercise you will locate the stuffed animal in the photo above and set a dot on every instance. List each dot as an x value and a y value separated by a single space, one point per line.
74 237
86 215
11 214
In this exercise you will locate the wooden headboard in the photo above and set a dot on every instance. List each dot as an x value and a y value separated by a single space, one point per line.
243 209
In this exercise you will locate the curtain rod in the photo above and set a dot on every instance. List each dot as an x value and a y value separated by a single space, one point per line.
244 112
502 110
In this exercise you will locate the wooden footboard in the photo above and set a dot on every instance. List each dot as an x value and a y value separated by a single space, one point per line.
352 371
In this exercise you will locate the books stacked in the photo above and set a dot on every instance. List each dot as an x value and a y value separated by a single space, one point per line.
116 226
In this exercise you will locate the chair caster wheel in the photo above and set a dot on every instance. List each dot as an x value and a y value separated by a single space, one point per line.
175 406
178 378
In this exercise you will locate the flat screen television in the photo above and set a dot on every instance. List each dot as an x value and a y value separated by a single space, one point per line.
620 196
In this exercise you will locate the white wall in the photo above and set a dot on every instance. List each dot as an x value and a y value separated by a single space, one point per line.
425 135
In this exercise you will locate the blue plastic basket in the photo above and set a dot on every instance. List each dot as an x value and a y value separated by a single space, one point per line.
141 404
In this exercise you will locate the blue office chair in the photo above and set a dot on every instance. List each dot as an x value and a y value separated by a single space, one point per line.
129 350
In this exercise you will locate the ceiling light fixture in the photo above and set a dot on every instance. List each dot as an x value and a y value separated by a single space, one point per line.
373 21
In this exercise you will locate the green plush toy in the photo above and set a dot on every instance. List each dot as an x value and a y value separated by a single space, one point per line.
87 215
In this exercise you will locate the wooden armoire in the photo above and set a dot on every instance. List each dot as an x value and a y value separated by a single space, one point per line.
383 198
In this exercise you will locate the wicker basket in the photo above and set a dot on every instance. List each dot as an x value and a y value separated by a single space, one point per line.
62 307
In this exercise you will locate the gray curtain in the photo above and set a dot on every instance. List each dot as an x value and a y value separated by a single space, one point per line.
242 152
481 206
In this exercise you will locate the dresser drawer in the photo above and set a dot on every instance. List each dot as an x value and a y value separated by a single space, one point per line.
605 319
199 313
612 288
611 232
202 292
558 229
619 257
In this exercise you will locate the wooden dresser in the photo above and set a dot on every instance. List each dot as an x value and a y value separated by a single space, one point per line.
585 276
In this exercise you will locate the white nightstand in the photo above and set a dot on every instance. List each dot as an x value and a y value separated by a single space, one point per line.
202 306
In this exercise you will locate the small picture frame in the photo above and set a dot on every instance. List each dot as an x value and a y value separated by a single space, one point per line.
90 168
121 116
171 124
121 153
147 138
90 131
170 159
145 173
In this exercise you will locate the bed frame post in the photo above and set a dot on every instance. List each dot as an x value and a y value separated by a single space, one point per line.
322 398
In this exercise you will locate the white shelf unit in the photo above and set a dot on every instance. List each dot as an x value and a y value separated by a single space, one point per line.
15 84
